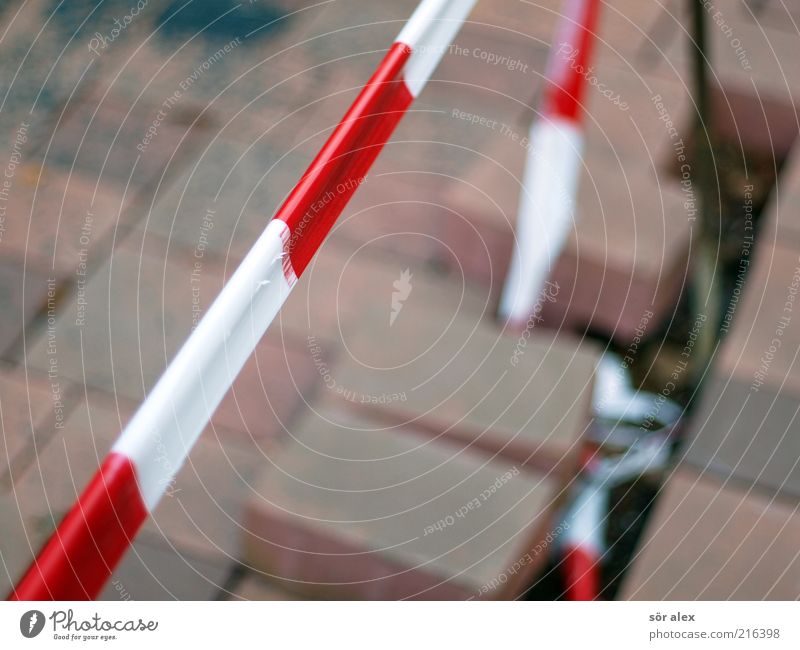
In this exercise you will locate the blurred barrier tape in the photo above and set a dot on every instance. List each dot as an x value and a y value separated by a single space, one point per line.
80 556
584 541
550 181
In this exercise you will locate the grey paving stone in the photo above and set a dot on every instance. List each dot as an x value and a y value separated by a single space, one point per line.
438 366
138 308
24 293
26 405
162 572
253 586
749 436
352 510
224 200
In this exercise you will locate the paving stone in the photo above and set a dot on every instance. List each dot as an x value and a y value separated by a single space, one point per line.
763 317
108 142
161 572
156 298
539 20
14 554
224 200
345 509
747 435
24 293
201 509
627 256
348 276
409 215
744 427
711 541
254 587
26 403
499 63
277 381
245 90
59 220
489 190
139 307
527 401
641 124
45 59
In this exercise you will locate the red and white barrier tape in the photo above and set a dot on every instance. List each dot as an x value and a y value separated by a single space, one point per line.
551 174
584 542
80 556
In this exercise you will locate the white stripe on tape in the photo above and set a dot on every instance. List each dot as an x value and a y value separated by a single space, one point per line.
170 420
547 204
429 33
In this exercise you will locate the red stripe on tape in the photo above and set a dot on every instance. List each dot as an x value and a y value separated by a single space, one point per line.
582 571
564 96
79 558
318 199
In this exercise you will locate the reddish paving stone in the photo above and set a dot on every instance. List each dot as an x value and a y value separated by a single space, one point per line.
202 508
764 313
539 20
504 65
711 541
640 124
345 510
408 214
199 512
488 192
276 382
527 401
626 254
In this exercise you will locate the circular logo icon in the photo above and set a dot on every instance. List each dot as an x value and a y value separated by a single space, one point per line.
31 623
